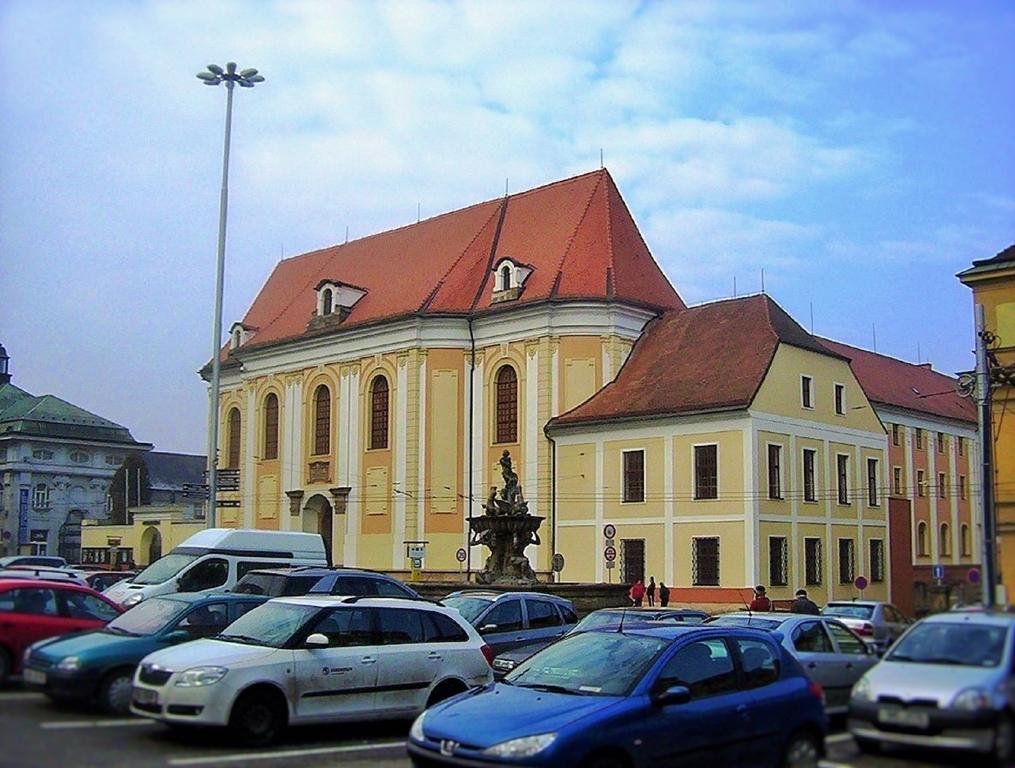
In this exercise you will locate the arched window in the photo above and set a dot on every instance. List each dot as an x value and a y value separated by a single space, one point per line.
967 545
270 427
322 421
379 413
921 539
505 277
945 544
233 440
326 302
507 405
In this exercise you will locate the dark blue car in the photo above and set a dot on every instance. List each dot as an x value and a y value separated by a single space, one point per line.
667 696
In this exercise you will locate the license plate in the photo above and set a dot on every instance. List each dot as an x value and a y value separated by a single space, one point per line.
34 676
146 696
906 717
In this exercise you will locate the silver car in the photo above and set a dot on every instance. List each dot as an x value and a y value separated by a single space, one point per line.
879 624
832 655
947 683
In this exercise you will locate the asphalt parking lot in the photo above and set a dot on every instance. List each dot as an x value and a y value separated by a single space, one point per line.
36 734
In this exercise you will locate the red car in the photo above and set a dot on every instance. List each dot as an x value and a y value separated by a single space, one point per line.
32 610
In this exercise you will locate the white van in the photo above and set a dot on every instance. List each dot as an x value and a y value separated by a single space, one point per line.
213 560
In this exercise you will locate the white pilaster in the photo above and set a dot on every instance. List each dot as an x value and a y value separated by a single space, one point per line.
607 364
752 504
933 490
351 429
795 487
668 502
600 576
423 422
478 450
911 490
554 378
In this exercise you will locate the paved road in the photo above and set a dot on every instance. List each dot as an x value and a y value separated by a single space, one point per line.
36 734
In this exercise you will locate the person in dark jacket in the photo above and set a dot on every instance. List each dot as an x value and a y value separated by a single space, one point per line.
650 590
760 603
664 595
804 604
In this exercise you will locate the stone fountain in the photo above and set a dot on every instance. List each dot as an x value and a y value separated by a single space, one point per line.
506 528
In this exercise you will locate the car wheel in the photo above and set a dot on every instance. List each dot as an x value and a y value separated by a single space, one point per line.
1004 741
803 751
257 719
444 691
115 692
868 746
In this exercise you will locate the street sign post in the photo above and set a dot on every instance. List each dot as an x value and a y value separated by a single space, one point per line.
860 582
973 575
609 531
557 563
939 573
461 555
610 553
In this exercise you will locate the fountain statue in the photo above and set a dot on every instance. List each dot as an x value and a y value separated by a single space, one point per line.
506 528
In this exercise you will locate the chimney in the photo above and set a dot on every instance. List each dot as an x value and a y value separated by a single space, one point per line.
5 361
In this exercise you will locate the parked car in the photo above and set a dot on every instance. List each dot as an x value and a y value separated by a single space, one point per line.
879 624
45 573
292 582
32 610
605 617
103 580
312 659
99 666
43 560
831 654
647 696
946 684
509 619
214 559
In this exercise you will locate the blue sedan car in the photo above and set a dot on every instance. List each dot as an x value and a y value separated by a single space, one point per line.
667 696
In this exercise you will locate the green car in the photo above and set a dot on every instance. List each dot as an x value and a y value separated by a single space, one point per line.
99 666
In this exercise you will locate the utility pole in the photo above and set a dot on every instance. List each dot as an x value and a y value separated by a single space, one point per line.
983 393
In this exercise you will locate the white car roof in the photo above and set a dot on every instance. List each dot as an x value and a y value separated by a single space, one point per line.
328 601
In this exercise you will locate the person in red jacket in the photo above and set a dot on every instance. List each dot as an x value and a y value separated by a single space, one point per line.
637 593
760 603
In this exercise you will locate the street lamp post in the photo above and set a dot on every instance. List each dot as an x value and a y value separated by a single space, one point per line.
246 78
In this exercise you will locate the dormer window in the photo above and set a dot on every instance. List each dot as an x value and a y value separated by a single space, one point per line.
509 278
335 301
327 296
239 334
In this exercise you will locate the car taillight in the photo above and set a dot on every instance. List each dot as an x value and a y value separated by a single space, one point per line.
816 691
866 629
487 654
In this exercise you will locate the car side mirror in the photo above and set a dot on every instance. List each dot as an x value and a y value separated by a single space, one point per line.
177 636
316 640
675 694
487 628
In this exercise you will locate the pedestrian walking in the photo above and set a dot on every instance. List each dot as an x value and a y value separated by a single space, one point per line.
637 593
650 591
664 595
804 604
760 603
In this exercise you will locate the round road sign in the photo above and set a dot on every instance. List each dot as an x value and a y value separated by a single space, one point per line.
610 553
461 555
860 582
973 575
609 530
557 563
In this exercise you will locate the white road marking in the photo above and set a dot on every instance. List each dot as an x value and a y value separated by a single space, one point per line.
250 756
116 723
830 764
838 738
20 695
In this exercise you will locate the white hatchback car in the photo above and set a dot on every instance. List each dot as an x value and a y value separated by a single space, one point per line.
314 659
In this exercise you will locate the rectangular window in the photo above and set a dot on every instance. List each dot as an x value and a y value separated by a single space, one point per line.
897 481
806 398
774 471
778 552
942 485
842 478
634 476
919 438
705 561
812 561
921 483
961 446
962 486
632 560
877 560
840 399
809 491
872 482
706 472
846 563
895 434
940 442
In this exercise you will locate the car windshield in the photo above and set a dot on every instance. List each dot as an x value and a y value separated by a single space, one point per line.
757 622
967 645
590 663
849 610
146 618
271 624
469 607
165 568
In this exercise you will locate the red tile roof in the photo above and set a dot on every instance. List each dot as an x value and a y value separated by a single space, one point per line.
889 381
576 234
705 358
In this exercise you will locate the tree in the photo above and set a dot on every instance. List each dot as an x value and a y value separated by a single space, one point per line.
132 477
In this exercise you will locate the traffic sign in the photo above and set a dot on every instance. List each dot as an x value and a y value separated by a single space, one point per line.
610 553
557 563
609 530
860 582
461 555
611 564
973 575
939 572
228 503
417 563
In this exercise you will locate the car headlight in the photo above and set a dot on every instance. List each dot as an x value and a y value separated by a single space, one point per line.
198 676
69 664
132 600
862 691
527 746
416 732
972 699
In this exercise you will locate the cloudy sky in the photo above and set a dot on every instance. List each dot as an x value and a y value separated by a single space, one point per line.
859 153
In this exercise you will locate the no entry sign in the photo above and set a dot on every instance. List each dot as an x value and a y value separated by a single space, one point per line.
610 553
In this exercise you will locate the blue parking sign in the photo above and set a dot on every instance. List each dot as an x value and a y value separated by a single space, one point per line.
939 572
